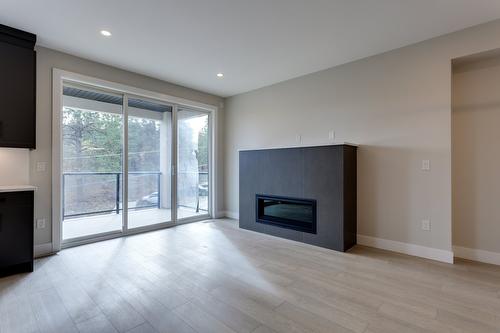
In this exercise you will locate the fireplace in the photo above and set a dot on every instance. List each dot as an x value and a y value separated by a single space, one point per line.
305 194
291 213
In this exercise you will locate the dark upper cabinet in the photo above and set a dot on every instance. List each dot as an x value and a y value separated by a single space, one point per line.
17 88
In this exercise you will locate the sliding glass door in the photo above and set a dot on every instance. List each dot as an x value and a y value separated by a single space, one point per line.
119 152
193 163
149 163
92 155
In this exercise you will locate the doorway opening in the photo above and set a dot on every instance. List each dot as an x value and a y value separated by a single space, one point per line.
475 157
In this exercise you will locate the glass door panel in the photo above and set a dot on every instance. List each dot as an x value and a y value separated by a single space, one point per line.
193 163
92 154
149 163
117 163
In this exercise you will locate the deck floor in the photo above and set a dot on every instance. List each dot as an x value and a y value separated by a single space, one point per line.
92 225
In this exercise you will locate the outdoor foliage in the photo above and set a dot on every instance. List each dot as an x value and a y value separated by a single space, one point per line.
93 143
203 147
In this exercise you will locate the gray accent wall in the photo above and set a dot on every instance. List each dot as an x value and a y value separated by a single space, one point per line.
326 174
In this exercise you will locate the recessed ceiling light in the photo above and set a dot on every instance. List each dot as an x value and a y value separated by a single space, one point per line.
105 33
220 75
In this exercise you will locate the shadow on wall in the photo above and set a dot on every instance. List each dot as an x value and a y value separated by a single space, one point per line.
464 192
476 184
475 155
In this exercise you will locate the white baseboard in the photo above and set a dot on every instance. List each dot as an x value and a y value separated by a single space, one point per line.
390 245
477 255
407 248
220 214
232 214
43 249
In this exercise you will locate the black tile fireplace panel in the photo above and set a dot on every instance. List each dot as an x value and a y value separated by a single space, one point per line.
325 174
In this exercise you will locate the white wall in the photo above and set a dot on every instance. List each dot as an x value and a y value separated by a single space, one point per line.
476 155
48 59
396 105
14 166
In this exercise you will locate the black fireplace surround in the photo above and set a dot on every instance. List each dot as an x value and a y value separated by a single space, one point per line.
306 194
285 212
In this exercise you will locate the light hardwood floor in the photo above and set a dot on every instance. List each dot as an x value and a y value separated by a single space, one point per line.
213 277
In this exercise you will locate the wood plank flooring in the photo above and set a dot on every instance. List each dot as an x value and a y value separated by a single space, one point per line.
213 277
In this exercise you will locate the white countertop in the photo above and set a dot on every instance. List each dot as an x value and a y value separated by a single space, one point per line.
17 188
303 146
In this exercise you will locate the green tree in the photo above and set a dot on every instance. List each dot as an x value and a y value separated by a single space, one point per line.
91 141
203 147
144 144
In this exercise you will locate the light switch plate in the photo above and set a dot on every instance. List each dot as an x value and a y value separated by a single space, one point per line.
40 223
41 166
426 165
331 136
426 225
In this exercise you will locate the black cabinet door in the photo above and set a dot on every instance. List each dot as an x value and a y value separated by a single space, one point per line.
17 96
16 228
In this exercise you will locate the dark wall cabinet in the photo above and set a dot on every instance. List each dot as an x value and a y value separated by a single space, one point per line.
17 88
16 232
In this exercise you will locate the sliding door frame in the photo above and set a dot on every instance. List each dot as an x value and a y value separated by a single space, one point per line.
59 77
126 229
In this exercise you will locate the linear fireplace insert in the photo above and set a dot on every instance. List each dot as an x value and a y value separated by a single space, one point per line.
291 213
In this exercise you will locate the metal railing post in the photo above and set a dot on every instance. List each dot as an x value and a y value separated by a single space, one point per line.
158 176
64 195
117 193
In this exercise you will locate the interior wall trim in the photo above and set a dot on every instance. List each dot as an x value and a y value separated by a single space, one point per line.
42 250
220 214
407 248
400 247
484 256
231 214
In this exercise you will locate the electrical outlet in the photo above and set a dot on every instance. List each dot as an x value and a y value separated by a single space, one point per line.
40 223
41 166
331 136
426 225
426 165
298 138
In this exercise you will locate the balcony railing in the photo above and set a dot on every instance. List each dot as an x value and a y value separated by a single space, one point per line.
94 193
88 190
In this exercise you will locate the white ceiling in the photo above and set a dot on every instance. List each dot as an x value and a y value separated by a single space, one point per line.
253 42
